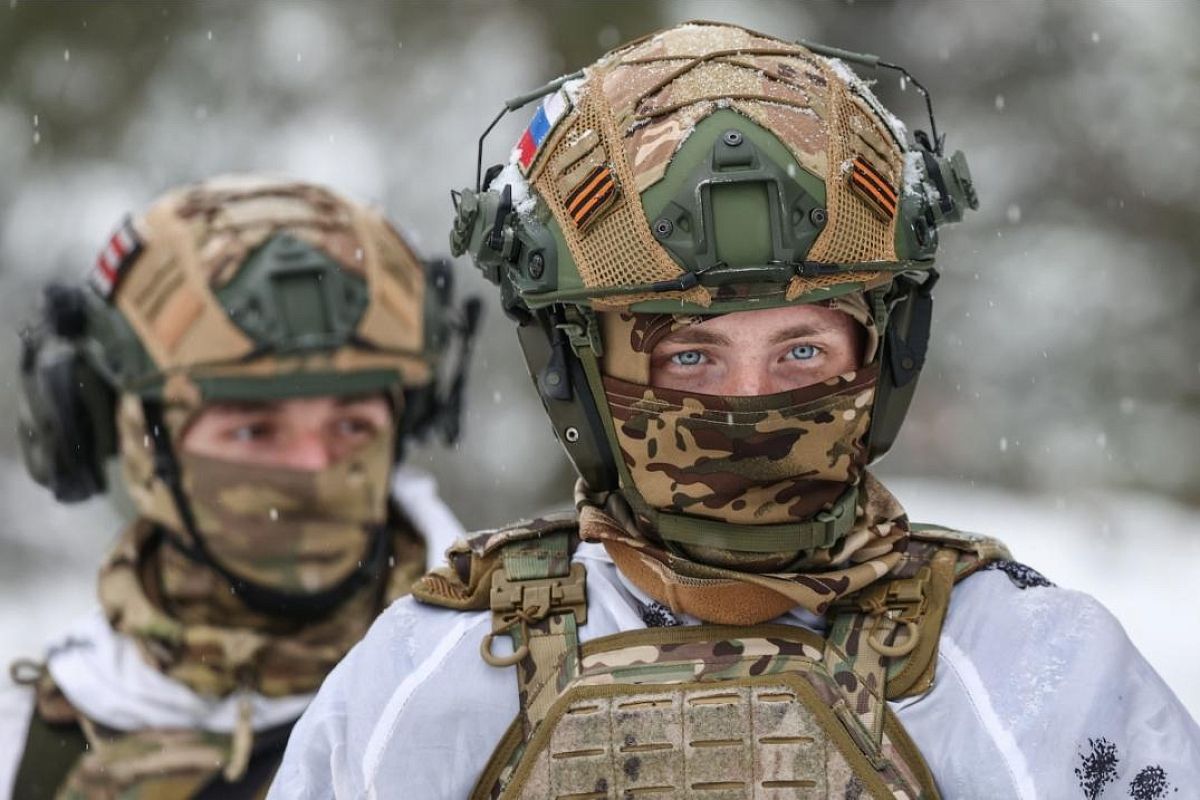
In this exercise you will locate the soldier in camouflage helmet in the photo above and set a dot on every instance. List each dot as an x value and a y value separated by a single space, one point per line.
718 249
256 351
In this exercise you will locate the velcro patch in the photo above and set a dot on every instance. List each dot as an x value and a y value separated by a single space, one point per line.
596 193
552 109
873 188
121 251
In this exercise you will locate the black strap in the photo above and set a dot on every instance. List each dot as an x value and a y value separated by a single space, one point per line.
50 753
309 606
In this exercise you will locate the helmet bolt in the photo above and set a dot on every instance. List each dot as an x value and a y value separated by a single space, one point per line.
571 435
907 362
537 265
818 217
732 138
553 379
663 228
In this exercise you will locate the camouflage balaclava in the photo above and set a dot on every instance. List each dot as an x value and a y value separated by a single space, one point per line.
296 531
760 460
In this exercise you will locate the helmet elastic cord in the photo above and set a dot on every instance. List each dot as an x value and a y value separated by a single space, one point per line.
307 606
821 532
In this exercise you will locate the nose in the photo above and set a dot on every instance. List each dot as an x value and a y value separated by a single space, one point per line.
308 451
748 378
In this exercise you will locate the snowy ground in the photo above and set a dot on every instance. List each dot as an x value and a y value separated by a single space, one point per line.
1138 554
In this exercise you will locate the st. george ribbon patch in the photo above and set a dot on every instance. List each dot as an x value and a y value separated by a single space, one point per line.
592 196
867 183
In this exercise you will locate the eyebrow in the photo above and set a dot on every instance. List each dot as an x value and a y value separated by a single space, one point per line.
263 406
694 334
802 330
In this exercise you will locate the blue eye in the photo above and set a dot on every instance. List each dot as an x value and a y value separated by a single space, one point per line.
688 358
803 352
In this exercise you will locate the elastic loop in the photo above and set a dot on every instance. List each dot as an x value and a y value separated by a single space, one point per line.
485 650
26 671
894 650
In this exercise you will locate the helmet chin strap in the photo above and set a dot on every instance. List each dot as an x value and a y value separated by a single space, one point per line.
823 531
306 606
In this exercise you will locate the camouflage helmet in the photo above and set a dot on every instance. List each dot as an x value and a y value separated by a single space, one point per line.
703 170
240 287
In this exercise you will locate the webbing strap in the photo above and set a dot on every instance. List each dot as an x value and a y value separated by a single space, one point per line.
821 532
888 632
538 599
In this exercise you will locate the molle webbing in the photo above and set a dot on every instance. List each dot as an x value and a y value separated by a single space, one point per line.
881 645
684 712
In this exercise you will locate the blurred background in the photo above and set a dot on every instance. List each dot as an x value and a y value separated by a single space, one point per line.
1060 409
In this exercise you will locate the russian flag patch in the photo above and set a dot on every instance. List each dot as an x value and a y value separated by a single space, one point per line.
119 253
553 108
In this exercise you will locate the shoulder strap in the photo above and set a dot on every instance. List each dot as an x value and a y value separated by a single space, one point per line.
53 745
465 582
264 762
523 573
883 640
539 599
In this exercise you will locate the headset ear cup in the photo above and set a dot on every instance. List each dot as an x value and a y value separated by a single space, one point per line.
67 423
904 345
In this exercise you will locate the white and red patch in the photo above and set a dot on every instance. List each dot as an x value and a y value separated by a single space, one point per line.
113 260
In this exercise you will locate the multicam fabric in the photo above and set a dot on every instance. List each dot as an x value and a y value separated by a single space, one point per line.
736 596
642 102
147 765
746 460
291 530
196 239
188 624
707 712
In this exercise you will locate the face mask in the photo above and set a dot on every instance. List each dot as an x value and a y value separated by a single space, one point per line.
762 460
286 529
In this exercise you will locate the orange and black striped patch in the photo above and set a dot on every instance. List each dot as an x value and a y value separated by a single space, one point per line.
872 187
594 194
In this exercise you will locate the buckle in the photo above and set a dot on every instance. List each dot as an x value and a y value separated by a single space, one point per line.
535 598
901 601
834 521
519 603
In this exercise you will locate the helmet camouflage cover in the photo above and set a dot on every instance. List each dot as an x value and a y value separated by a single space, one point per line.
703 170
251 287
